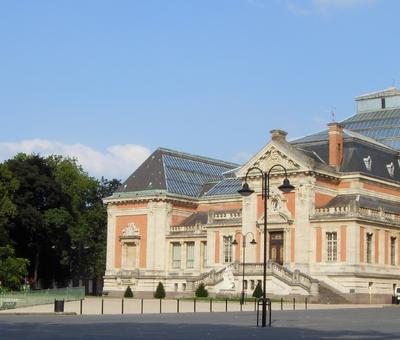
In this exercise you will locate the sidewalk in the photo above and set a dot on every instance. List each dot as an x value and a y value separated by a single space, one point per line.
93 306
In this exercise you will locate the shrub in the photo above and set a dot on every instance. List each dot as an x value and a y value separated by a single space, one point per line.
258 292
201 291
128 292
160 291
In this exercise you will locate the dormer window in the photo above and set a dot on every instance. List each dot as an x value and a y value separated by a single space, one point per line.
390 169
383 103
368 162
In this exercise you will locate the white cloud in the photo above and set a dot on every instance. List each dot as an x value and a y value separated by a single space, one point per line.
117 161
241 157
324 6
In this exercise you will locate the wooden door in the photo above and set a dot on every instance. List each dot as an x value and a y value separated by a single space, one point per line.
276 246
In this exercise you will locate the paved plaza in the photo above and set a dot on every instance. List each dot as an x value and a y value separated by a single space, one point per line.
348 323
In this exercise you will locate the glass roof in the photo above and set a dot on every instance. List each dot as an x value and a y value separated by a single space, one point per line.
225 187
187 177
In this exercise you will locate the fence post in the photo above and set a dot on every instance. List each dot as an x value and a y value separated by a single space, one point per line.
102 306
122 306
294 303
241 304
160 306
255 304
194 305
141 307
281 303
270 312
210 305
306 303
177 305
226 305
81 305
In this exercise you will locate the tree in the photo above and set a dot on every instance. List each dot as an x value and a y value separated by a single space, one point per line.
128 292
258 292
13 270
8 185
39 200
160 291
201 290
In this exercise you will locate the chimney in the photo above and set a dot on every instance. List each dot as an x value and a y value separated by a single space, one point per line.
278 135
335 144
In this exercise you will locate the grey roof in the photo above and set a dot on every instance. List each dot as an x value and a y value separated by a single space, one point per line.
364 201
176 172
356 149
381 125
227 186
194 219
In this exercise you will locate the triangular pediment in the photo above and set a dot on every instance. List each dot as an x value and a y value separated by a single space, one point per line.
277 153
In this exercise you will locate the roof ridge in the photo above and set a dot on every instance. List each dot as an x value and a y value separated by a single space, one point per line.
186 154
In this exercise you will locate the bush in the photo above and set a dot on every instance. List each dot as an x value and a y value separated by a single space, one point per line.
258 292
160 291
128 292
201 291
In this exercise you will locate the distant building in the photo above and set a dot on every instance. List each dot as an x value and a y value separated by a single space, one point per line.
336 237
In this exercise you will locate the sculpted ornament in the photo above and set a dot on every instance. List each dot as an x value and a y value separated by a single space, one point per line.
130 230
274 156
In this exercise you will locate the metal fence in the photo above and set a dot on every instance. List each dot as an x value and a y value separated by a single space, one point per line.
40 297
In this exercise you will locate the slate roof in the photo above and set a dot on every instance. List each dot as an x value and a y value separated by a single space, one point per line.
364 201
176 172
357 149
381 125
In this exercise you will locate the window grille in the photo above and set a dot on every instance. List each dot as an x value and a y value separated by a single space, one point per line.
331 250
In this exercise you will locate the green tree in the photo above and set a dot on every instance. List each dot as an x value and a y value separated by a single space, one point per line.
201 290
258 292
128 292
39 200
8 185
13 270
160 291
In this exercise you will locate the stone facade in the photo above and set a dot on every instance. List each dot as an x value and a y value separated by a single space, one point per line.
338 228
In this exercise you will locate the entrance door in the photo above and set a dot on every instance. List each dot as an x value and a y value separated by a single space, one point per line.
276 246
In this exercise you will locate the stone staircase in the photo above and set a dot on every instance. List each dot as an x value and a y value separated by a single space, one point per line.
329 295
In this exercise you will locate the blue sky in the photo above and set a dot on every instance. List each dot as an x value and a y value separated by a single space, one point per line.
110 81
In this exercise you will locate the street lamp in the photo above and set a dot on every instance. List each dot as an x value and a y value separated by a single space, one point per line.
246 191
234 242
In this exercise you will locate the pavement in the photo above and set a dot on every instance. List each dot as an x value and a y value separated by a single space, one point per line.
93 306
348 323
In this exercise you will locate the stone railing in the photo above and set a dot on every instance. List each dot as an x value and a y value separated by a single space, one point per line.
290 277
195 229
354 210
210 278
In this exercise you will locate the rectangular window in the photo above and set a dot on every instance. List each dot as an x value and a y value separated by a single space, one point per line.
331 247
227 249
252 286
245 284
176 255
393 251
190 255
369 248
204 252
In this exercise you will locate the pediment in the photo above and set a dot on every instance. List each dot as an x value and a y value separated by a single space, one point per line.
274 153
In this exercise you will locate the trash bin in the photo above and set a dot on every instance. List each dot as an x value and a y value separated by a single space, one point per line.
58 306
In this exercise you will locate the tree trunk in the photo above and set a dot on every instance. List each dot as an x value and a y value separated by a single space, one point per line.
36 269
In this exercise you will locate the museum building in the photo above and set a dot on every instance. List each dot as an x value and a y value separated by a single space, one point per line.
334 238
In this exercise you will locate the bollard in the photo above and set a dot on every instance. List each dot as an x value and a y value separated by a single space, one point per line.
81 306
160 306
226 305
122 306
210 305
241 304
141 307
194 305
270 312
102 306
255 304
306 303
177 305
294 303
281 303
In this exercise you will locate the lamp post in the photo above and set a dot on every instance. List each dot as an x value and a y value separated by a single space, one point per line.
234 242
246 191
